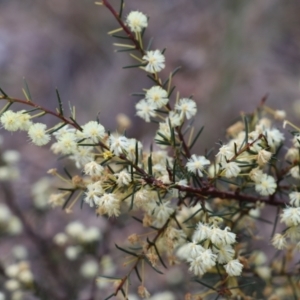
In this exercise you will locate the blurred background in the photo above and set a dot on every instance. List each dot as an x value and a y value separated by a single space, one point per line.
232 53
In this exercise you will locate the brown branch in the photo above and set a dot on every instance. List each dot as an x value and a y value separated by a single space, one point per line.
47 111
125 28
143 254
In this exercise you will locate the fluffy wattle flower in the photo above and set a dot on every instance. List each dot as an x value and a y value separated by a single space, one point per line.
108 204
24 120
279 115
67 143
256 174
231 170
265 185
94 131
263 157
279 241
38 135
175 119
294 171
291 216
217 236
229 237
161 214
274 137
186 107
136 21
123 178
225 253
196 164
93 193
145 110
10 121
296 140
82 156
294 199
118 144
155 61
93 169
202 232
234 268
189 250
202 263
157 96
131 149
225 153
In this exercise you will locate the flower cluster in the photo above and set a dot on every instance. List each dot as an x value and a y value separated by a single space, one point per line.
76 237
197 208
19 276
211 245
9 223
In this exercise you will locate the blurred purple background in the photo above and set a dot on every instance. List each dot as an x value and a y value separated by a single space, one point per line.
231 52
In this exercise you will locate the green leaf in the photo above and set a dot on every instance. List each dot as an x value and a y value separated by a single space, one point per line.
109 277
131 172
192 216
174 170
227 181
196 181
172 133
135 66
246 130
126 50
171 91
121 37
66 189
68 199
137 219
149 44
132 198
6 107
158 142
150 165
136 153
138 94
141 221
243 285
261 219
121 9
172 75
126 251
163 136
138 274
110 296
162 111
26 90
152 78
235 149
157 252
60 108
3 93
67 173
196 137
75 122
123 292
158 196
205 284
207 154
155 269
57 128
